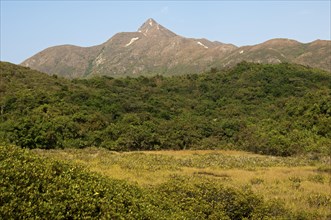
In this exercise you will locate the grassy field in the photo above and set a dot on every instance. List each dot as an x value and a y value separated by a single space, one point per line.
301 183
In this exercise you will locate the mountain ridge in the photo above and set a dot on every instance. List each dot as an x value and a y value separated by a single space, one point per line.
153 49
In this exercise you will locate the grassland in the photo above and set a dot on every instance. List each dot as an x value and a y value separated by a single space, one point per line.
301 183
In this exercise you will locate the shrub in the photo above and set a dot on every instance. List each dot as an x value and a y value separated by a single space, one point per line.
35 188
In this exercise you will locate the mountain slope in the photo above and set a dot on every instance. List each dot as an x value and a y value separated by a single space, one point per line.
314 54
153 49
67 60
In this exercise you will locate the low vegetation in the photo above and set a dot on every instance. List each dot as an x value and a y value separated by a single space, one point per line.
100 184
270 109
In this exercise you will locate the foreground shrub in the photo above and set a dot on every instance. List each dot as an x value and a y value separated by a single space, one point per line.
203 198
35 188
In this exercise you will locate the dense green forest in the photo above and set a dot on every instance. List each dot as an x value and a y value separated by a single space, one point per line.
282 109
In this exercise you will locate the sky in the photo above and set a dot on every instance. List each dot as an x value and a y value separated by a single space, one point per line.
27 27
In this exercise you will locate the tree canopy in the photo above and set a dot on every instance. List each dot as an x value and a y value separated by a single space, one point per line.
279 109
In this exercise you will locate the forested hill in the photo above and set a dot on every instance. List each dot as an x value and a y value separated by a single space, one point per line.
281 109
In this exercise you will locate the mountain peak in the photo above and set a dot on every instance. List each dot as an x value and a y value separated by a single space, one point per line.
148 24
151 22
151 28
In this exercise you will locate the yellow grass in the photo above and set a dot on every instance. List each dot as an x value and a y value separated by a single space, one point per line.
291 184
178 153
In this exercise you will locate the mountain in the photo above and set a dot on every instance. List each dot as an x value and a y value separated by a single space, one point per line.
314 54
153 49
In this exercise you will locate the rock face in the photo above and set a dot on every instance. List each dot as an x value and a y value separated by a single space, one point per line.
153 49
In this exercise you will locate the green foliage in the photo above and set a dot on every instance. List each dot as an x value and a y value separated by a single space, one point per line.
279 109
35 188
207 200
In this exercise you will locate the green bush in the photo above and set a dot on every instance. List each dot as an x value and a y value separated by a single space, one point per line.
35 188
207 199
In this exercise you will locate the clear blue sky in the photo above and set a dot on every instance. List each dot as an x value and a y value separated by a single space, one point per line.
28 27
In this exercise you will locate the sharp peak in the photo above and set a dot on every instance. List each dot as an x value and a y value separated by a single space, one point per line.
149 23
151 28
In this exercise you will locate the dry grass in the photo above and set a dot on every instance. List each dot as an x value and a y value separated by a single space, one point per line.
178 153
295 181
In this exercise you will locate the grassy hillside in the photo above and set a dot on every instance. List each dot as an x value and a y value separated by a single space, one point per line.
55 185
279 109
